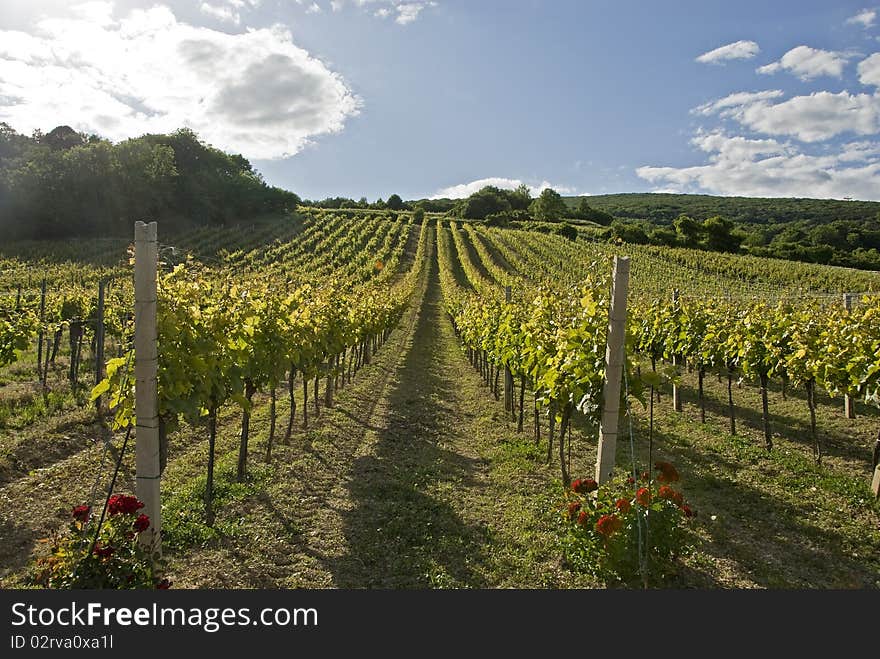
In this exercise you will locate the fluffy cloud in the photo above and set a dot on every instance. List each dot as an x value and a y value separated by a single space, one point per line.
728 105
808 63
767 168
812 118
736 50
865 18
466 189
228 10
869 70
255 93
404 11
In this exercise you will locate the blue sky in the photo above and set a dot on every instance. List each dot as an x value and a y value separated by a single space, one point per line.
370 97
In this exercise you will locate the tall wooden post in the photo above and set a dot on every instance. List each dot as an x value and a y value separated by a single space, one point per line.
508 376
40 333
99 341
676 394
849 408
614 357
146 364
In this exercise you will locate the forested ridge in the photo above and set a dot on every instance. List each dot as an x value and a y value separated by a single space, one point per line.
64 183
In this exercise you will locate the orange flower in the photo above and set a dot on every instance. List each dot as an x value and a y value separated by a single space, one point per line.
668 474
643 496
623 506
607 525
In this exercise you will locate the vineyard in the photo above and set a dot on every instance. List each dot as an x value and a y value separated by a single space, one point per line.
370 399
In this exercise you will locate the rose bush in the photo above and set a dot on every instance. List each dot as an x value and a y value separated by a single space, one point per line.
117 559
605 526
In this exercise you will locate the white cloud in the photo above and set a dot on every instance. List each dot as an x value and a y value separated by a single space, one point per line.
466 189
256 93
221 12
808 63
313 8
228 11
766 168
869 70
728 104
98 12
405 12
736 50
865 18
813 118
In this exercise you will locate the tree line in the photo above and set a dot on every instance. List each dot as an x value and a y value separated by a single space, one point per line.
64 183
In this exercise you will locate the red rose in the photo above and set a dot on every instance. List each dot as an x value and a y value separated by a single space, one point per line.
583 518
686 509
623 506
103 552
141 524
643 496
81 513
607 525
584 485
123 504
666 492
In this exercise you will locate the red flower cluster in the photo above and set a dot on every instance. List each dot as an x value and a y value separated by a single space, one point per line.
141 524
643 496
584 485
606 525
630 480
583 518
102 551
163 585
669 494
686 509
121 504
623 506
573 508
668 474
81 513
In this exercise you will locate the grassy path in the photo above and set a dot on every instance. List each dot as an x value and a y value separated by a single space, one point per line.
408 482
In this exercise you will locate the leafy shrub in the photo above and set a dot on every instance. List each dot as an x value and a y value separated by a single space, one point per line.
612 529
117 560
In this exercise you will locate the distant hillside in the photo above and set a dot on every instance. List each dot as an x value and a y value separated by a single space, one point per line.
664 208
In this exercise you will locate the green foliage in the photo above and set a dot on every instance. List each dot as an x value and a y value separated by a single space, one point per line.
548 206
395 203
486 201
583 211
118 560
64 184
604 528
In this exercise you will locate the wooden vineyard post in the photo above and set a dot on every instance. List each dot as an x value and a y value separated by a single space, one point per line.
875 482
40 334
99 341
849 408
146 364
614 356
676 394
508 376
